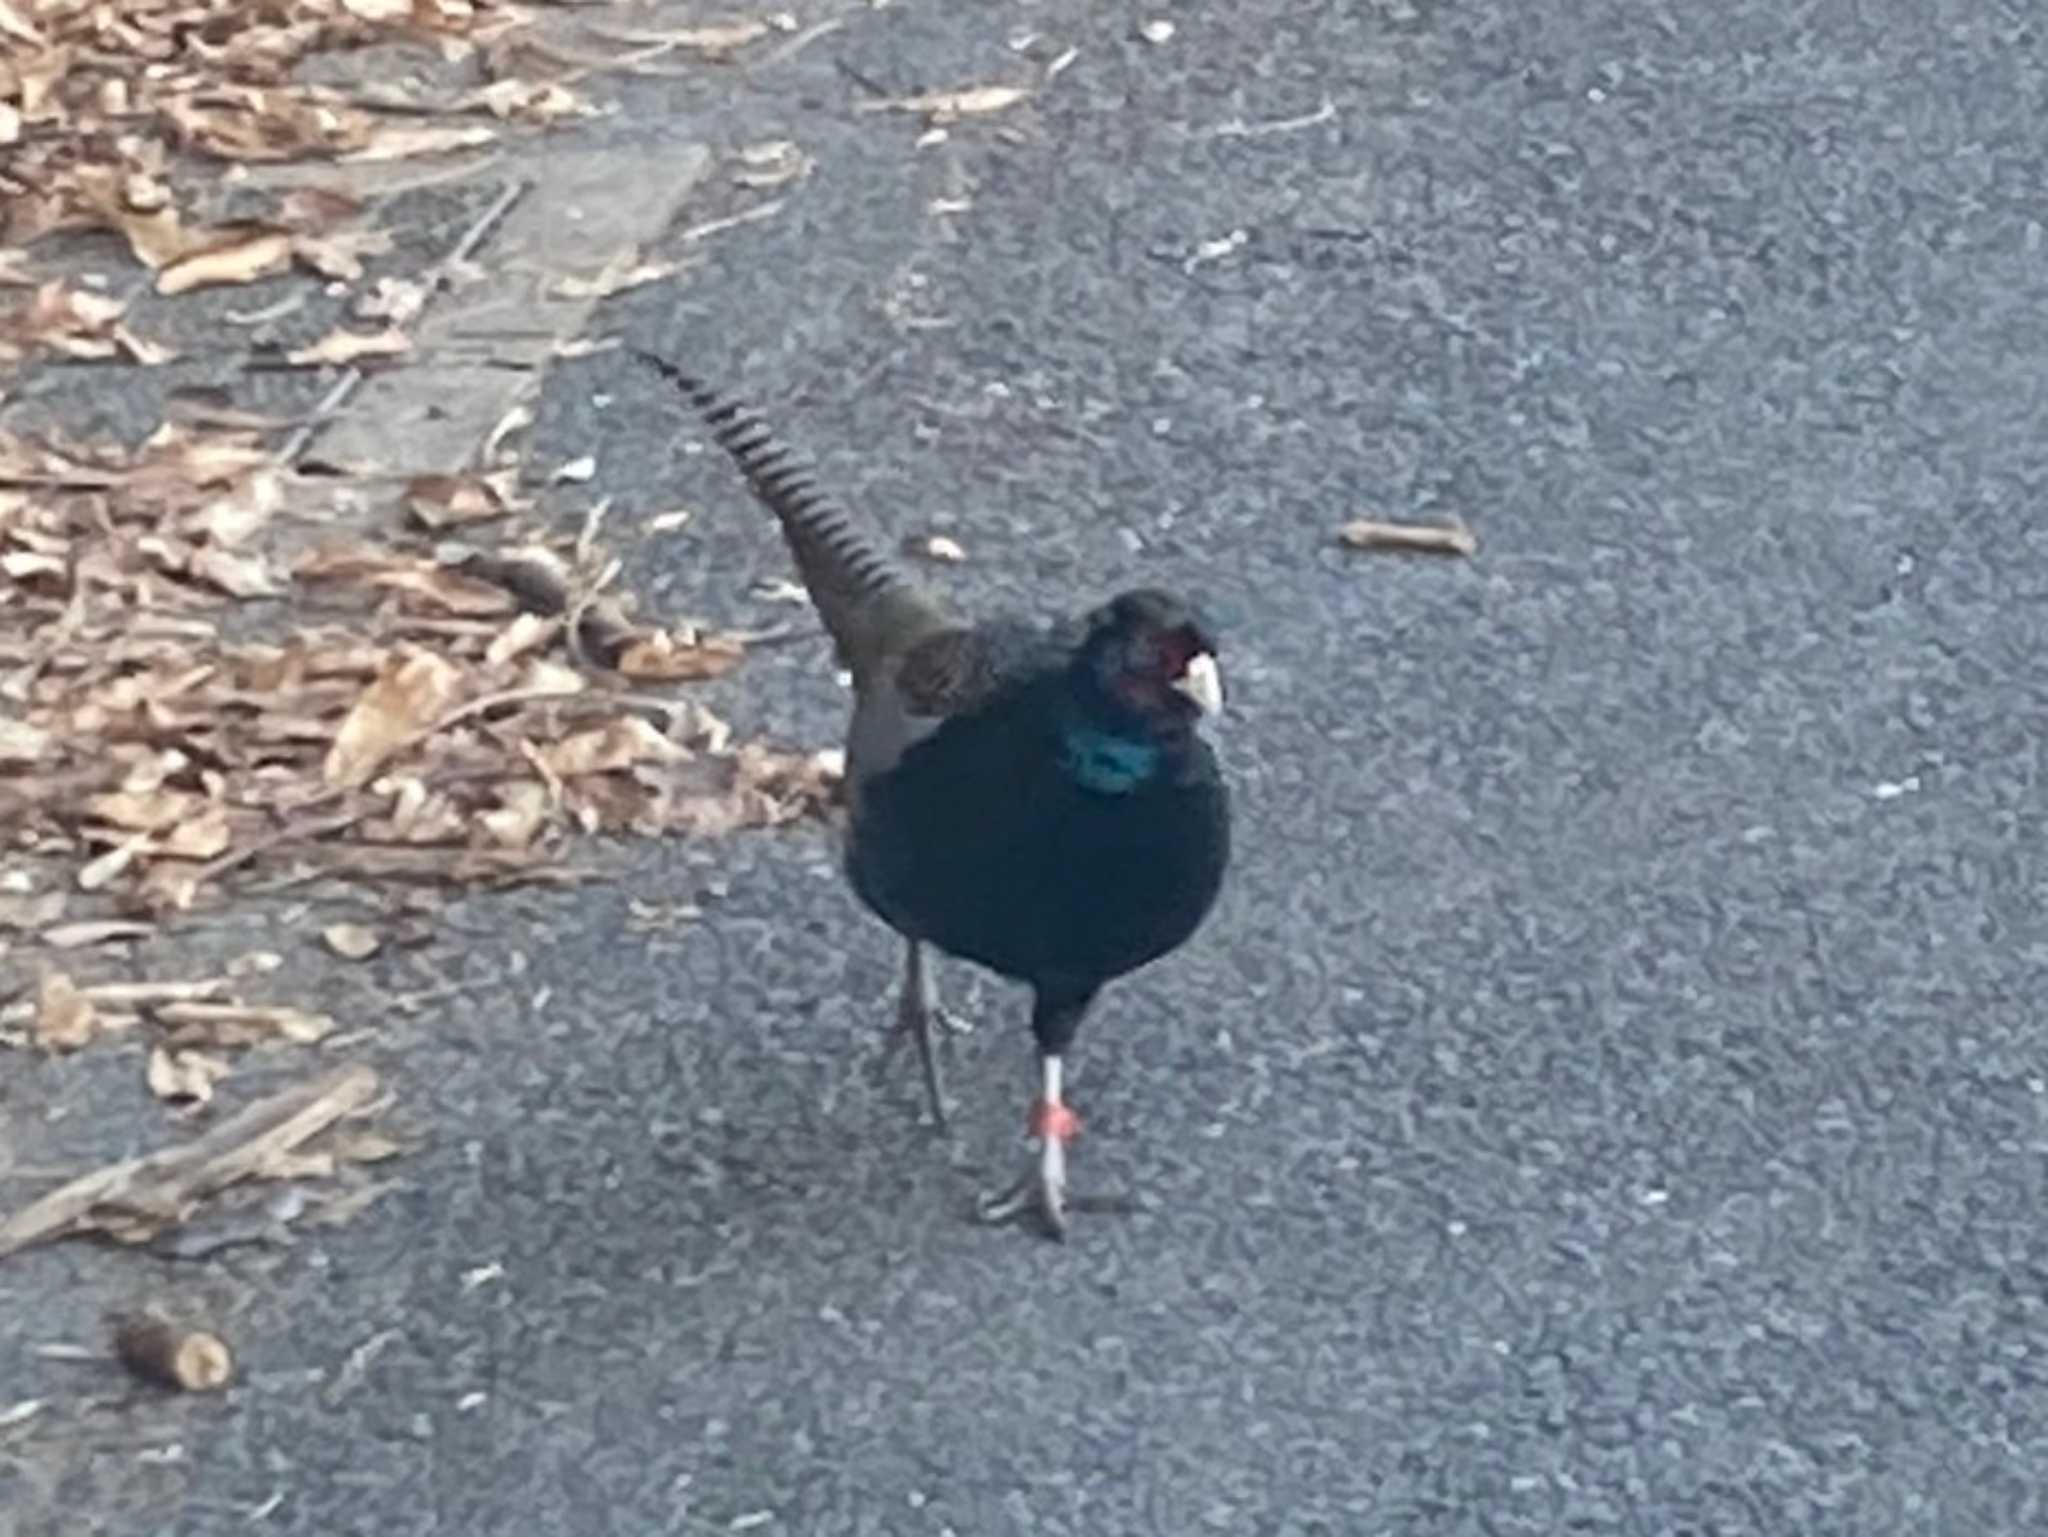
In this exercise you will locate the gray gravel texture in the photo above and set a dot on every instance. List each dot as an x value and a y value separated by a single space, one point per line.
1611 1095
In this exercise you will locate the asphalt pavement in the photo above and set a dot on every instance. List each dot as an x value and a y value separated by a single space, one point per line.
1612 1095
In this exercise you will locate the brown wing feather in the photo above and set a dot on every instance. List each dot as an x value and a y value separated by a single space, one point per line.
959 669
946 674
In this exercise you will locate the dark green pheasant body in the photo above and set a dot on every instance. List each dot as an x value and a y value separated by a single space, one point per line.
1049 848
1032 798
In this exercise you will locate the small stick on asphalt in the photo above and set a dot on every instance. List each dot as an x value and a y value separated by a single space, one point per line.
797 44
1423 538
238 1148
157 1350
753 215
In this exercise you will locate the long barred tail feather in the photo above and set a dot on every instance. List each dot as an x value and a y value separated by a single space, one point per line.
866 600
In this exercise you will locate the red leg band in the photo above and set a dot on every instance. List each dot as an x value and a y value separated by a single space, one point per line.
1051 1118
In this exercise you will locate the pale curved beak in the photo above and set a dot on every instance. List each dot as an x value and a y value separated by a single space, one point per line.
1201 682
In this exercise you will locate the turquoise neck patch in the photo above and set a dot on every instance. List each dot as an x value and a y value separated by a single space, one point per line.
1105 763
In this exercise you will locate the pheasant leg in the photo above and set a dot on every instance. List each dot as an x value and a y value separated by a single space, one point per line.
1043 1188
919 1016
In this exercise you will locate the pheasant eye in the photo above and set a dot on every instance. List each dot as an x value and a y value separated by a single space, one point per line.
1175 651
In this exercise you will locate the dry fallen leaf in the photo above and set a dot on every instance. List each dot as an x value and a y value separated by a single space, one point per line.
184 1075
23 743
362 1145
202 837
149 994
516 822
75 323
621 744
344 346
517 418
678 658
244 511
239 576
55 309
449 501
351 941
527 633
65 1017
72 936
615 278
21 565
442 586
450 590
136 208
143 809
27 910
397 300
939 547
403 141
339 255
23 906
945 105
167 887
529 101
196 1023
771 163
244 260
109 866
413 692
312 210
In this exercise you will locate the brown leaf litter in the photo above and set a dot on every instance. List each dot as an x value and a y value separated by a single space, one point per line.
108 111
67 321
65 1017
410 712
185 692
188 1018
186 1076
351 941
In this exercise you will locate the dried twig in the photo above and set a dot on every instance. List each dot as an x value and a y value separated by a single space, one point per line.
191 1360
240 1148
798 43
1238 128
754 215
1422 538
